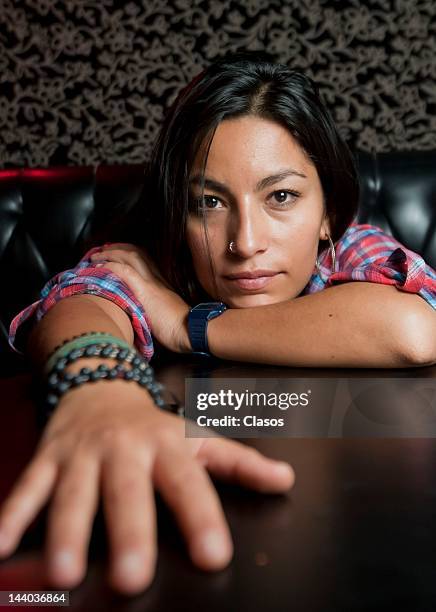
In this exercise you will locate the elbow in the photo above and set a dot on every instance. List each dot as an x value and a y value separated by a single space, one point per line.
419 340
422 358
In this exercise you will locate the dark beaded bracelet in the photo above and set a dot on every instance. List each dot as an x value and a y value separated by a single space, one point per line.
57 385
103 349
59 381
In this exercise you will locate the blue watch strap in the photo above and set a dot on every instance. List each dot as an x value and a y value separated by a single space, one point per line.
198 318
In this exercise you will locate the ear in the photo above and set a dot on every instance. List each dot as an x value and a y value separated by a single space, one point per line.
325 229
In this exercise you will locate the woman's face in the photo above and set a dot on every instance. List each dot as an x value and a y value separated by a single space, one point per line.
264 194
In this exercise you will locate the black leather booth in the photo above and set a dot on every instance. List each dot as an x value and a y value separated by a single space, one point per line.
50 217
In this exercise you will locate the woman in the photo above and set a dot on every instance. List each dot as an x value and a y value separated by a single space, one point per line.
250 203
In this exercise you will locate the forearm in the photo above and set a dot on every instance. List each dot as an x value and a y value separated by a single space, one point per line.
349 325
74 316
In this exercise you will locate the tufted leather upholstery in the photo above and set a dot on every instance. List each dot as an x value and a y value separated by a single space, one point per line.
398 194
49 218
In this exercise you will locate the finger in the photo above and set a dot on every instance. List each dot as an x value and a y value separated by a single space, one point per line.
112 246
122 270
120 255
134 256
189 492
128 274
70 520
126 246
142 264
231 460
135 282
106 254
130 514
25 500
124 265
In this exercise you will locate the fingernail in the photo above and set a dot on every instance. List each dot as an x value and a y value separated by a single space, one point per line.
281 467
283 470
63 560
129 565
5 542
213 546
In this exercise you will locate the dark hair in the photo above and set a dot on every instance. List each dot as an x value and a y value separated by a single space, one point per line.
234 86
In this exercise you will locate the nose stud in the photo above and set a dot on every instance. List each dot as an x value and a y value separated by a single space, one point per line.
232 246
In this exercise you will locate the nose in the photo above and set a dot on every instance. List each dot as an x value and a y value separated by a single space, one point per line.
249 231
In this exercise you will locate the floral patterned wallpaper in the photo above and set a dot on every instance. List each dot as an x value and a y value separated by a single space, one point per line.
87 81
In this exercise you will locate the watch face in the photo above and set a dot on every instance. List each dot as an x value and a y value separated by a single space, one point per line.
210 306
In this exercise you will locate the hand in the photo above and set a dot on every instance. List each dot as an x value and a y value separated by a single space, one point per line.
111 435
165 309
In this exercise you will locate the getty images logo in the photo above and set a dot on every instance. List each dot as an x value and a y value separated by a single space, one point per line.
236 401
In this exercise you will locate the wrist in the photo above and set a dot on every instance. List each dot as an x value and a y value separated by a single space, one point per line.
75 370
103 397
170 324
199 319
184 340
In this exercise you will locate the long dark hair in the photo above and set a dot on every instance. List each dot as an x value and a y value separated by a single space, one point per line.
234 86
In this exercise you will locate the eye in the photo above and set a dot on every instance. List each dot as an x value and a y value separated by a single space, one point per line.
207 202
283 197
210 201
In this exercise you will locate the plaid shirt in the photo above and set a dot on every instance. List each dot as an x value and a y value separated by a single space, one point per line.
364 253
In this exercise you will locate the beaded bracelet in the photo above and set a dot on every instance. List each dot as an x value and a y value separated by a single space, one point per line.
107 350
77 342
59 382
93 333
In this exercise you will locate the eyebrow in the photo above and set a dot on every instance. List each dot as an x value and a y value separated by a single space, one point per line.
268 181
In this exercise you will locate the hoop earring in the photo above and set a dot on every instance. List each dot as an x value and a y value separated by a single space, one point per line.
333 252
232 247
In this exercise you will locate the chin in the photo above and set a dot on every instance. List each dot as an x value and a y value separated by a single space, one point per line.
250 301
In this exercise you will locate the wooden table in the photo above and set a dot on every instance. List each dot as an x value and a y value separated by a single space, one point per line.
357 532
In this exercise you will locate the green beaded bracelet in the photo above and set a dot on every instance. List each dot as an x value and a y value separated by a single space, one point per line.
80 343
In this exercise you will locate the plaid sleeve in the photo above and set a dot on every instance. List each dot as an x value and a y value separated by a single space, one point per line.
87 278
366 253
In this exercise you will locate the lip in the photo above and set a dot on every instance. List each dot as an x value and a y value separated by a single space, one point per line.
251 274
252 281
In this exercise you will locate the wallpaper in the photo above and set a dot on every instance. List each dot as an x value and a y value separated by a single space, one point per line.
88 81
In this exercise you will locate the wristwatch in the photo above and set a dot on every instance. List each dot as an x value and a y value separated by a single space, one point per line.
198 318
